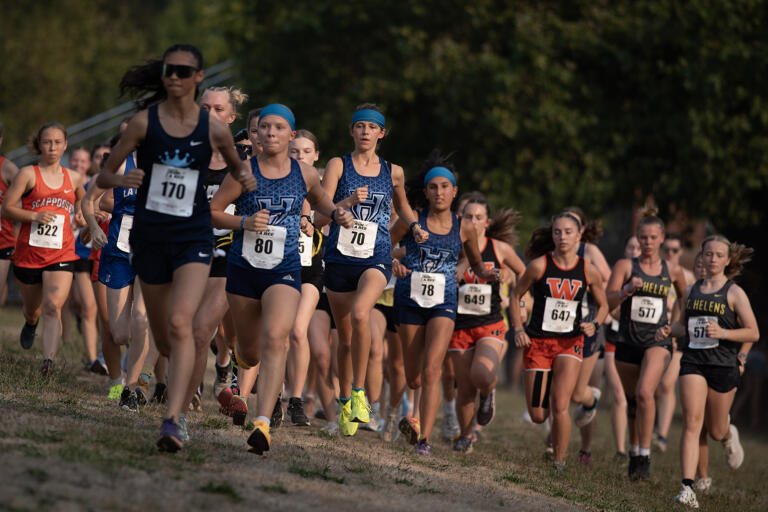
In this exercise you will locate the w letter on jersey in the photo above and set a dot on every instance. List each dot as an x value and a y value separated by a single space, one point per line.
563 288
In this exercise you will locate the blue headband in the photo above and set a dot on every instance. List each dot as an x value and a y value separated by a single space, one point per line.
439 171
276 109
368 115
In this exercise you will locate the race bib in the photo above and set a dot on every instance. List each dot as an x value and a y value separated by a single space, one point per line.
646 310
615 325
125 232
264 249
559 315
359 240
305 249
427 288
221 232
50 236
172 190
697 332
475 299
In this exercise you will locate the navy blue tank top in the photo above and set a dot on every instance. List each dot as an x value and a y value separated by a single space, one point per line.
283 198
375 209
124 204
171 203
439 254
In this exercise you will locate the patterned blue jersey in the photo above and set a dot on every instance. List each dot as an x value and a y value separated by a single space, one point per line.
375 209
283 197
439 254
124 204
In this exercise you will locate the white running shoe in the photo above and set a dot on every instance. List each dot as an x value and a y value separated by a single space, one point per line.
450 426
734 452
686 496
527 417
331 428
703 484
375 421
583 416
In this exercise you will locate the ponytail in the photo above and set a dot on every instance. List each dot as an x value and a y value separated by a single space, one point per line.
504 226
541 241
739 255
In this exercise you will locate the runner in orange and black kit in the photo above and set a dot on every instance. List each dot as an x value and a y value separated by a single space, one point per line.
8 172
478 345
555 335
45 249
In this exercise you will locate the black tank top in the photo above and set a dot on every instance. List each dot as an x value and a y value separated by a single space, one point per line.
171 203
222 237
473 298
557 301
700 309
646 310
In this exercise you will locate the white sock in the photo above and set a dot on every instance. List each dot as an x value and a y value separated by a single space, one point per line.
449 406
634 450
645 452
264 419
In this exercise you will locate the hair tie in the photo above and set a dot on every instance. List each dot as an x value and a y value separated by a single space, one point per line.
276 109
368 115
439 171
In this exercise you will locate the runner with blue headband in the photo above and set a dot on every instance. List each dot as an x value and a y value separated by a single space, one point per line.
358 260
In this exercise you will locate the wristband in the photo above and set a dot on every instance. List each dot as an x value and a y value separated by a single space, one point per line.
242 222
413 224
309 219
741 357
625 291
518 331
597 326
332 215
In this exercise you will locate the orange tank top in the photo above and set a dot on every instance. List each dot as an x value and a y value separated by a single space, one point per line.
41 245
7 237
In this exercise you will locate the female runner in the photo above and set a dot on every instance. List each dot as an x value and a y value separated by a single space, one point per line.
426 292
641 286
45 248
8 172
554 337
171 243
720 323
358 260
264 267
478 345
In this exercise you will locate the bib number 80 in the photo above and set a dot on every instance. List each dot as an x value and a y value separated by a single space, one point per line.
262 246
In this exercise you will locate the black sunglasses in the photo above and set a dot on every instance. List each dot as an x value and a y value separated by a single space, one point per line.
180 70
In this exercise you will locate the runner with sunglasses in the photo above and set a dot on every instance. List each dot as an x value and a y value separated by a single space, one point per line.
171 238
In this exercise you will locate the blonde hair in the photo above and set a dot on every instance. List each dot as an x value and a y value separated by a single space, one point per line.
648 217
739 254
236 96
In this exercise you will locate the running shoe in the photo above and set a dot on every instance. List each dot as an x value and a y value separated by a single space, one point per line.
644 467
487 409
331 428
143 386
160 396
620 458
450 426
197 402
225 399
115 391
463 445
558 465
131 402
97 367
183 430
46 368
277 413
320 414
585 458
238 409
422 447
259 439
124 396
686 496
734 452
296 412
660 442
584 415
360 408
634 461
375 423
390 432
170 438
347 427
222 376
141 397
703 484
411 429
549 451
27 336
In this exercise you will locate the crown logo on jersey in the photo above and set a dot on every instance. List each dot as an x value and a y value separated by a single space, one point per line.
176 160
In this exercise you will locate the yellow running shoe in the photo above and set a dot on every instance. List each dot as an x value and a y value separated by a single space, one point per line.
347 427
360 408
259 439
115 392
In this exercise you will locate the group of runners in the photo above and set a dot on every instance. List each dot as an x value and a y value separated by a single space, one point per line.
385 297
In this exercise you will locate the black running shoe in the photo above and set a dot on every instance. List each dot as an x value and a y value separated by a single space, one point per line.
27 336
644 467
141 398
97 367
159 396
131 403
277 413
296 412
124 396
46 369
634 462
487 409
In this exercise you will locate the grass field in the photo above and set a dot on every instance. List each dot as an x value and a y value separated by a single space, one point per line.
64 446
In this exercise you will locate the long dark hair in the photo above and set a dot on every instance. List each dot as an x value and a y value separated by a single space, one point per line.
541 241
146 79
503 225
414 187
593 229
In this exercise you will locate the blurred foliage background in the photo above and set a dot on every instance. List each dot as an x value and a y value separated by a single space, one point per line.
598 103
